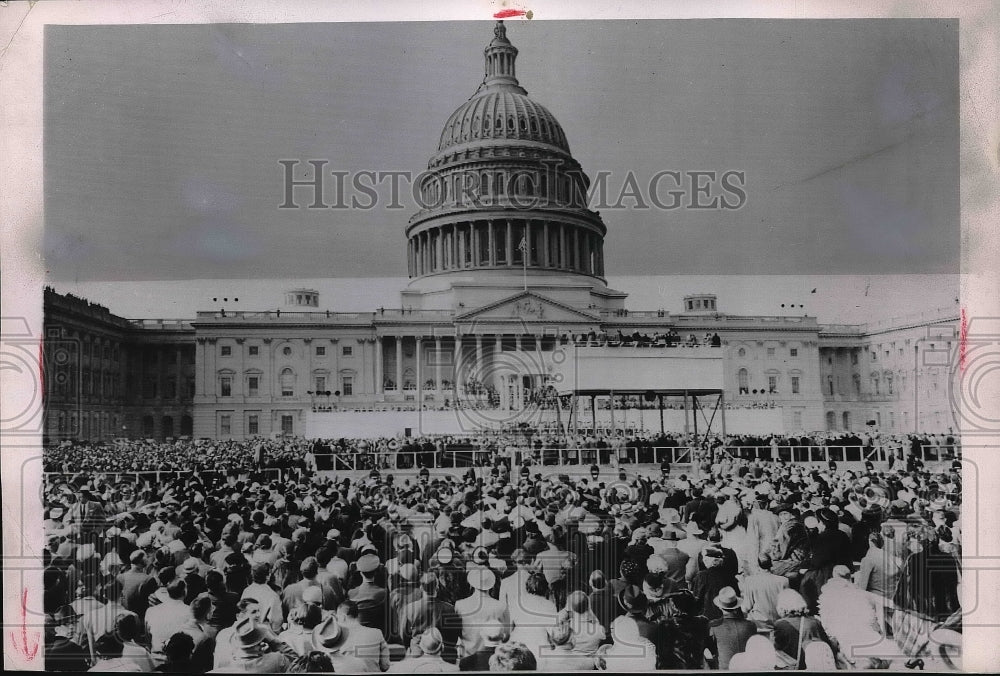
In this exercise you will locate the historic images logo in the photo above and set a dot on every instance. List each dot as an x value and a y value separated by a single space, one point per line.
309 184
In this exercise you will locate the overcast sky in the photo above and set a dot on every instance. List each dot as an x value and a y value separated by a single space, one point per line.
162 142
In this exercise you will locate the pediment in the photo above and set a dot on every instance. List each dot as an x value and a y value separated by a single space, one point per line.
528 306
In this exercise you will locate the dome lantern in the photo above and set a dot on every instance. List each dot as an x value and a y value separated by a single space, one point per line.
500 58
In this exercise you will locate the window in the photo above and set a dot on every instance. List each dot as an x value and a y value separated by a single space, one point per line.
847 420
347 385
253 424
320 384
347 351
794 352
254 350
795 384
854 358
770 353
857 384
226 350
744 381
320 350
287 351
225 425
829 385
253 385
772 384
287 383
287 424
888 382
892 420
226 386
797 419
741 352
878 418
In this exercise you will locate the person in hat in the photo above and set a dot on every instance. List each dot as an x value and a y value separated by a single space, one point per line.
252 649
635 604
830 547
731 632
692 545
689 634
426 657
491 636
431 611
62 653
559 654
629 651
791 544
370 598
795 628
707 583
758 655
480 609
301 621
352 647
762 526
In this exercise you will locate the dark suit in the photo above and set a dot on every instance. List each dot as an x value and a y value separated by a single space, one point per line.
373 605
477 661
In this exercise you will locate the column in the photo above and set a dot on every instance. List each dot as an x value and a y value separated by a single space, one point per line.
526 236
510 245
498 355
379 378
457 377
479 354
437 364
416 355
178 375
492 242
399 363
159 373
439 249
546 260
563 258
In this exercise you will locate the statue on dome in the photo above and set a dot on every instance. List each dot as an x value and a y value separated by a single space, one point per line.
500 31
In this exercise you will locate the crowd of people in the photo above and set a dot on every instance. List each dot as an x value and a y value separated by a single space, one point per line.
753 565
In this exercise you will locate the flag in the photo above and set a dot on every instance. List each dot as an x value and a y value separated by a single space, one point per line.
523 246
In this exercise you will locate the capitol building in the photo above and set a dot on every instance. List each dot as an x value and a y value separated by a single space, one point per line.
505 281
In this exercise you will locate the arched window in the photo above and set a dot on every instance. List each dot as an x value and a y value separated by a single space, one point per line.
147 426
287 383
743 377
888 383
847 420
857 384
829 385
831 421
741 352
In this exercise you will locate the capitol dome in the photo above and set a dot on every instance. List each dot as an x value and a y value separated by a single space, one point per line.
503 203
502 114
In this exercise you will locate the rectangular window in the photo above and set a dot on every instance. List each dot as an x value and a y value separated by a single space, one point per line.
772 384
348 351
287 426
854 359
320 350
226 350
797 419
226 387
770 353
225 425
795 384
320 384
794 352
347 386
253 424
253 385
254 350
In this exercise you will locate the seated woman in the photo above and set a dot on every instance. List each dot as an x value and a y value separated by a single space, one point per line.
795 628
